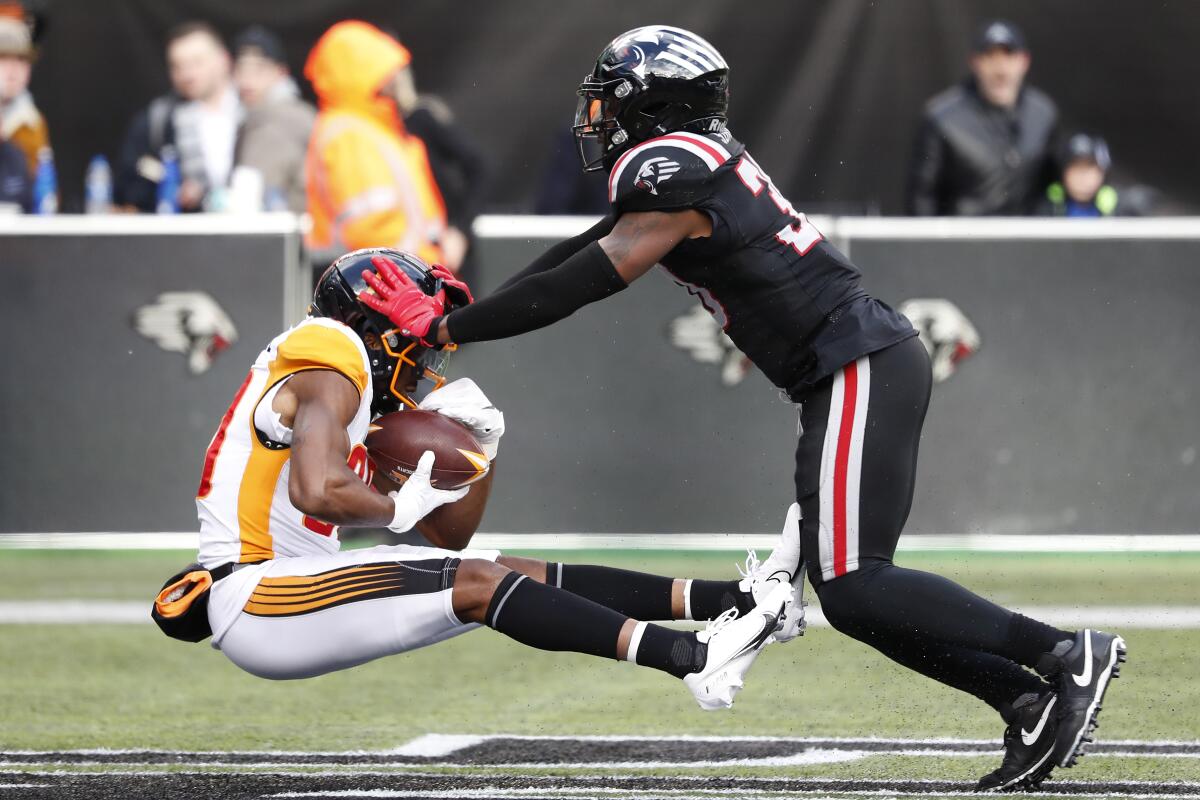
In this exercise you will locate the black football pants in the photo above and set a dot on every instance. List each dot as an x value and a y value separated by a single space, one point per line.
855 471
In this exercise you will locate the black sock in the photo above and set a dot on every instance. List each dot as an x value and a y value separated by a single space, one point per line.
634 594
1030 639
672 651
552 619
708 599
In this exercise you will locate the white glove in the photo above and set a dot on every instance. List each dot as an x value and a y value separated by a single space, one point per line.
417 497
463 401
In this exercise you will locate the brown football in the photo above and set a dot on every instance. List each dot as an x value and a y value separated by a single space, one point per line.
396 441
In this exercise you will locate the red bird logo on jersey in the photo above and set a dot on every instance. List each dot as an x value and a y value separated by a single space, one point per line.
653 172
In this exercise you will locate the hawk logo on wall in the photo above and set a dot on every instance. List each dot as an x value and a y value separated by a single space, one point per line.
947 334
699 334
191 323
653 172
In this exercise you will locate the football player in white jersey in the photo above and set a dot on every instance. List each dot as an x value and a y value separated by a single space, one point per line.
288 465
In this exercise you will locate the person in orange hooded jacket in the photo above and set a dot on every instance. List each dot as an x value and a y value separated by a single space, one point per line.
369 181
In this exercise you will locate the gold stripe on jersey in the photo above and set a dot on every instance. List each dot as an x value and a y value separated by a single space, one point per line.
306 348
254 500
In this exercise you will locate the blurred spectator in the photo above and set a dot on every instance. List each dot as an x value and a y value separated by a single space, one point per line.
274 135
985 146
16 187
459 166
566 188
199 119
369 180
20 122
1082 190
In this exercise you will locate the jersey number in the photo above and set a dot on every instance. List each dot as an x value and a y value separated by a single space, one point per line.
361 465
802 236
214 447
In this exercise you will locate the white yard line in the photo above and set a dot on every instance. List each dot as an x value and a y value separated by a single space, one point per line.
123 612
747 786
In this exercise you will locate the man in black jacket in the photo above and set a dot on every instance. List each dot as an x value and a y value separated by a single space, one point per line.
198 120
986 146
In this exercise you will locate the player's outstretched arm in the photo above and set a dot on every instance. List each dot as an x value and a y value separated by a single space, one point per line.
321 484
640 239
636 243
559 253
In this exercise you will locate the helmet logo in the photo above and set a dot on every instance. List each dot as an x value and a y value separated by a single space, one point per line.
191 323
653 172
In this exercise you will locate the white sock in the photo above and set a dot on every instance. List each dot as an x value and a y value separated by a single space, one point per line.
687 599
634 642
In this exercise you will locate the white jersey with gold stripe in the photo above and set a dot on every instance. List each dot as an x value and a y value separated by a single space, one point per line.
245 512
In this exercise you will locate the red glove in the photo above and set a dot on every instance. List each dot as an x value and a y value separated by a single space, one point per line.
403 302
456 290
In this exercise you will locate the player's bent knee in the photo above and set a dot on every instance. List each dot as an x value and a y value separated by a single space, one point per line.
533 567
474 584
842 601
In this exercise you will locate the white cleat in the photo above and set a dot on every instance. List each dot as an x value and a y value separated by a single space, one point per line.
733 644
782 566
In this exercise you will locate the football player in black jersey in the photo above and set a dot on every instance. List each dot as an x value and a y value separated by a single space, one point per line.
687 195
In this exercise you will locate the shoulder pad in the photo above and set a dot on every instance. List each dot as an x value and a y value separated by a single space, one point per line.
671 171
320 343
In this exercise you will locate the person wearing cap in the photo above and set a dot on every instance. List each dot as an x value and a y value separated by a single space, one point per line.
1082 190
21 124
274 135
369 180
985 147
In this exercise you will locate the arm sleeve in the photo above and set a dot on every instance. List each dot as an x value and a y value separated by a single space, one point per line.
560 252
539 299
925 172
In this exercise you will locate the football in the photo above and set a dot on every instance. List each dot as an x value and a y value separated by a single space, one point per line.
396 441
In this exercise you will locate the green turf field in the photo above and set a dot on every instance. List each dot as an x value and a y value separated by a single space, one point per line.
69 686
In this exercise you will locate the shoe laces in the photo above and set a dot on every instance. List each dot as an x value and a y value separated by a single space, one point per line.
720 621
751 566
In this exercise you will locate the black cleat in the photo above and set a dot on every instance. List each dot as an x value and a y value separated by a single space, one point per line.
1084 670
1028 746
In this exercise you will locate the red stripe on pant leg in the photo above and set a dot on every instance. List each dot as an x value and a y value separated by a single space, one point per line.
841 466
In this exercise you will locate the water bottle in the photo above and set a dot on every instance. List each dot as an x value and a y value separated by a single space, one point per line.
45 184
168 187
275 199
98 187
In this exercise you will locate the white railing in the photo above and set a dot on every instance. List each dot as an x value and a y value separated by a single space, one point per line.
505 226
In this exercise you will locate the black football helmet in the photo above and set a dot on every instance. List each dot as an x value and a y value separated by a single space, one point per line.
646 83
336 297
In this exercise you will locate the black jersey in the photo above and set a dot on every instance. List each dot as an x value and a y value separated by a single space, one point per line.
789 300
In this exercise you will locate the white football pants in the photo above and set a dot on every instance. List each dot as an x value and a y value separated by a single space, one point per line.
315 614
